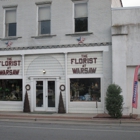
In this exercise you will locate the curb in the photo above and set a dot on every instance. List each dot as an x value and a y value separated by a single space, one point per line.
67 119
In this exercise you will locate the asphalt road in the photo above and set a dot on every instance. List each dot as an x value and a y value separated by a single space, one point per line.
48 131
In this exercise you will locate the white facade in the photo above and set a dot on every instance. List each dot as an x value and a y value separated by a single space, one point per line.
116 3
49 57
125 52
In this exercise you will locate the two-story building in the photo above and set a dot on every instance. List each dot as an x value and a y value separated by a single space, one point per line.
125 53
53 45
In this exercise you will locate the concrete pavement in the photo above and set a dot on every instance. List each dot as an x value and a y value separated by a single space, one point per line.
70 117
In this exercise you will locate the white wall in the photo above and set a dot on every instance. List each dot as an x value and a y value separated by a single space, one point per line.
116 3
54 66
62 19
62 22
125 51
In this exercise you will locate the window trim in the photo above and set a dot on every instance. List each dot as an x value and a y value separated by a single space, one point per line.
10 38
78 2
7 8
95 100
79 33
10 6
41 4
87 76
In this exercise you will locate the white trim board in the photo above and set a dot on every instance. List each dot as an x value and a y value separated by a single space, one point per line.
56 50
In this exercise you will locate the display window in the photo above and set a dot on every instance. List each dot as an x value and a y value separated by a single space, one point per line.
85 89
11 90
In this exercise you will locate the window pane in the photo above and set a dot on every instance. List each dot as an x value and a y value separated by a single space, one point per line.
44 27
39 93
85 89
80 10
51 93
11 90
10 16
12 29
81 24
44 13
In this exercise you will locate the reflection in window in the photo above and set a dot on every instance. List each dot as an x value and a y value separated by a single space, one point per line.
44 27
81 24
11 90
51 93
85 89
39 93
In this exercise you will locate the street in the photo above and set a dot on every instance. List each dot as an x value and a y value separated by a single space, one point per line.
47 131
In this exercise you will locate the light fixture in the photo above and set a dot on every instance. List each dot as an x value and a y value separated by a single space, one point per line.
44 71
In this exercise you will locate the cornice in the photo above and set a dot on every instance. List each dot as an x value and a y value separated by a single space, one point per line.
56 46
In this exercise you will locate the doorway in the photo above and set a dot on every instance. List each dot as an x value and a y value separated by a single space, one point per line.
44 95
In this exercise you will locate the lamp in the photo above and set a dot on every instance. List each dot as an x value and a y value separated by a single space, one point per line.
44 71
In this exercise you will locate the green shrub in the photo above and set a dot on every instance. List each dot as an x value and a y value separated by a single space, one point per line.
114 101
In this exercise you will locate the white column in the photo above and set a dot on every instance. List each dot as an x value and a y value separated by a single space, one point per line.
66 82
57 93
119 73
32 97
23 81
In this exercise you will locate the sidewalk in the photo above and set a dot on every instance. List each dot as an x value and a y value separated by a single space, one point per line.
70 117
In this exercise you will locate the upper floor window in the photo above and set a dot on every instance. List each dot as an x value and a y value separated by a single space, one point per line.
44 20
10 22
81 17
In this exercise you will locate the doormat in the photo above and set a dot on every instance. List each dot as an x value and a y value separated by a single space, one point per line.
42 112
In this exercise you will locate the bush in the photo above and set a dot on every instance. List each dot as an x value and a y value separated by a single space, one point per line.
114 101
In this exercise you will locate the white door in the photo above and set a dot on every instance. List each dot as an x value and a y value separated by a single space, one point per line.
44 95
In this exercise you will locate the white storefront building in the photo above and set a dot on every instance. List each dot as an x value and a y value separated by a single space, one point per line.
68 44
53 44
125 52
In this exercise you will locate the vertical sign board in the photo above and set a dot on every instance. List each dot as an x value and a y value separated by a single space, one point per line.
135 88
10 65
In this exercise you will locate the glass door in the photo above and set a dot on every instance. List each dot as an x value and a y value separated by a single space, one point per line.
51 93
39 95
45 95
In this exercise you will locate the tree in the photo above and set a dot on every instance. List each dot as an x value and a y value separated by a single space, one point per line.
114 101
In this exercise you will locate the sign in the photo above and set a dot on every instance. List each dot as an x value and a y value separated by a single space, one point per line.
11 66
135 88
83 61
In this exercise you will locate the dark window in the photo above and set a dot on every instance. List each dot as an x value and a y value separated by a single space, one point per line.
12 29
85 89
45 27
81 24
11 90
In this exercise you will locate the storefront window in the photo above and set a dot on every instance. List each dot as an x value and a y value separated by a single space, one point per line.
11 90
85 89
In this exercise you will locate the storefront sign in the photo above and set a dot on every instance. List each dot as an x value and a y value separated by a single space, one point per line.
10 63
84 60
